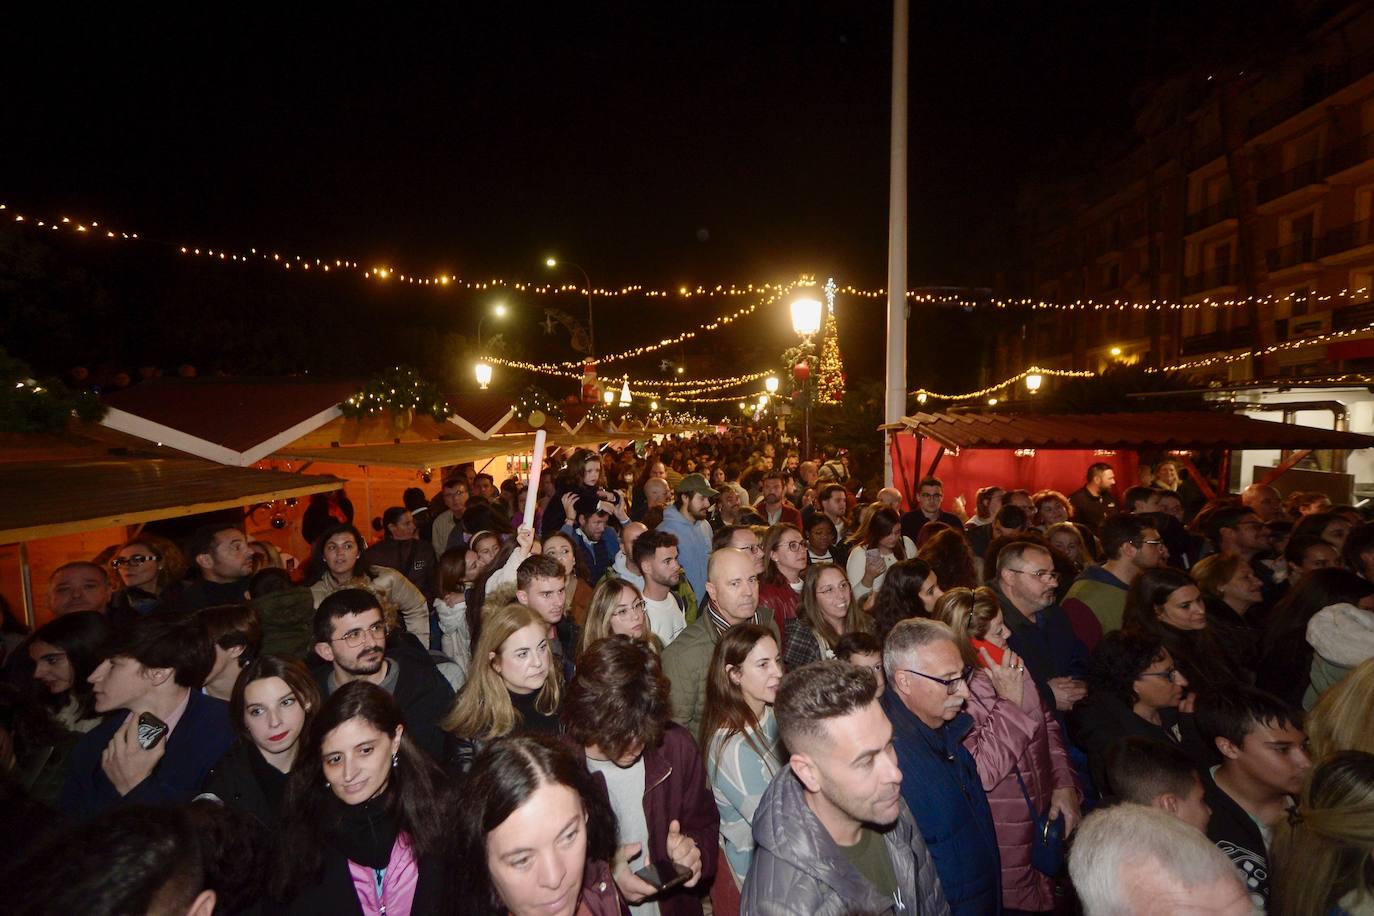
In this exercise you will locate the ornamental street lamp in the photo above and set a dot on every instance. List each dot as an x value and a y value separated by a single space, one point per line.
483 372
806 321
591 320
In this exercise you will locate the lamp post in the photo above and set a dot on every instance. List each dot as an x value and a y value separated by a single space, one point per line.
483 372
770 384
806 321
591 320
498 310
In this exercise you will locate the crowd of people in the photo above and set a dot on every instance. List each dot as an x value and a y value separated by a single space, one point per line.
709 677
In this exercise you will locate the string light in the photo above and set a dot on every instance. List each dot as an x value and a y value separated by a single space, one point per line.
1222 359
923 394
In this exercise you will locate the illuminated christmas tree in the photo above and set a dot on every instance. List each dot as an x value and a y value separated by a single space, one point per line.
830 383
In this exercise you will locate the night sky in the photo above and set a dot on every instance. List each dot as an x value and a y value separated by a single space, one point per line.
653 143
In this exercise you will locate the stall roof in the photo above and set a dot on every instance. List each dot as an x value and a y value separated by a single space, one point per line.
438 454
49 498
1156 429
233 421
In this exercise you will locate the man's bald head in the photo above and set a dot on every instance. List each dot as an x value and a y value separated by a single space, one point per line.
890 497
657 491
1264 501
78 586
629 533
727 562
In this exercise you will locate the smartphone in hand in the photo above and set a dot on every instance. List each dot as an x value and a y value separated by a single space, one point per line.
151 730
664 874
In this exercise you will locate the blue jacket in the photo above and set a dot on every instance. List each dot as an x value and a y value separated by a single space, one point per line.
693 548
193 748
599 556
940 785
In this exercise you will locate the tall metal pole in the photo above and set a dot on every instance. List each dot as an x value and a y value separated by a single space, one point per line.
895 405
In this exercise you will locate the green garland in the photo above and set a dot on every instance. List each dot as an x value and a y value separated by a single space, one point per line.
29 405
399 390
535 399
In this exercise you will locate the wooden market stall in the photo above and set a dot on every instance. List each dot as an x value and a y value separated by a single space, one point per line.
1054 451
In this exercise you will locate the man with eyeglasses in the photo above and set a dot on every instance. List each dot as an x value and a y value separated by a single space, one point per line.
351 636
1040 632
1240 531
928 686
447 528
1097 599
930 500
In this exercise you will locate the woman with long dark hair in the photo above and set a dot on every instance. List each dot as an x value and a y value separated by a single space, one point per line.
1166 604
337 562
362 826
149 569
739 735
1285 655
270 711
910 589
65 651
875 547
829 613
534 838
951 559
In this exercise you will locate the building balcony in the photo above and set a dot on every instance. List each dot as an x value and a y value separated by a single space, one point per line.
1300 177
1209 215
1348 243
1355 315
1217 341
1211 278
1351 161
1301 252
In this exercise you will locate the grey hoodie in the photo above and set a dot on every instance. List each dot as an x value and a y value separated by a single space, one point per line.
798 869
1341 636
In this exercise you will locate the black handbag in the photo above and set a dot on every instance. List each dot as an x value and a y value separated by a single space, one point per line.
1047 840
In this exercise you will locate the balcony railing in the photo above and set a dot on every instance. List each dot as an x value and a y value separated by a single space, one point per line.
1344 238
1211 278
1217 340
1299 176
1210 215
1355 315
1349 154
1303 251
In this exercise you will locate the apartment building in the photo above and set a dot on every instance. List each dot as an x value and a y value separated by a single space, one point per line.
1257 183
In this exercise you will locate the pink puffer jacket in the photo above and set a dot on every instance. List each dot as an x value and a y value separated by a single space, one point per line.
1029 736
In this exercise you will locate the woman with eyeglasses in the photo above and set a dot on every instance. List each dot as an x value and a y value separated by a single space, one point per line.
513 684
1134 688
1167 605
1015 741
617 609
829 612
784 550
362 827
149 569
739 735
270 710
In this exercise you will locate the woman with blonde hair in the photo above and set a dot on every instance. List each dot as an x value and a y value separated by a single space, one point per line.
1015 742
512 686
1322 854
1341 719
829 612
617 609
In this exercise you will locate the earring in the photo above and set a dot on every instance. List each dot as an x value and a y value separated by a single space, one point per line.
394 760
326 785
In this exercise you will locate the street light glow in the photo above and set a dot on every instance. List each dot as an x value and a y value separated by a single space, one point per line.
499 310
771 383
550 262
483 372
608 397
1033 382
806 316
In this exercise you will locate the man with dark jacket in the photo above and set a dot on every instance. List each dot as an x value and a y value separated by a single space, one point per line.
1094 503
930 499
1040 633
221 556
351 635
404 551
616 721
927 688
155 665
832 834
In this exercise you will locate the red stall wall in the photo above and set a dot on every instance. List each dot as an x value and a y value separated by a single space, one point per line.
964 471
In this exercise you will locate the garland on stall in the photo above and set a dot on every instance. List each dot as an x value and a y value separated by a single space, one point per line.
401 391
536 404
29 405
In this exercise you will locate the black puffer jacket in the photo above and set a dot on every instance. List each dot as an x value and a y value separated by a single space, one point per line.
799 869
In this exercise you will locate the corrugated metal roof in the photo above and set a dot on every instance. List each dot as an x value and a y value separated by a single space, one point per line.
1156 429
236 413
49 498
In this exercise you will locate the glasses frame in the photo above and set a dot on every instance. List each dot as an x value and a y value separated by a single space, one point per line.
134 562
951 685
1045 575
354 638
1168 674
